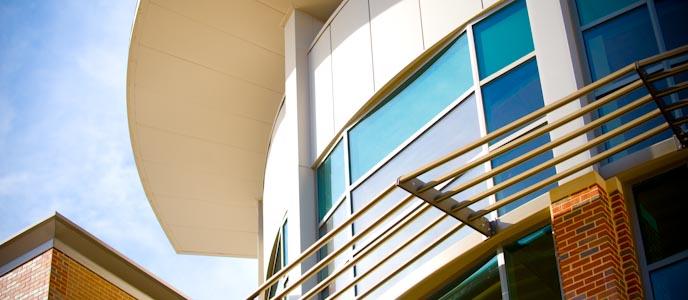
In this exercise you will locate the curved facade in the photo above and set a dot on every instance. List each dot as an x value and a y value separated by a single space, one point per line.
475 149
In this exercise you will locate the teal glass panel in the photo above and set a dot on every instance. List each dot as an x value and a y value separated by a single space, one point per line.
330 180
502 38
591 10
434 87
285 236
520 168
669 283
531 267
672 20
513 95
483 283
620 41
661 204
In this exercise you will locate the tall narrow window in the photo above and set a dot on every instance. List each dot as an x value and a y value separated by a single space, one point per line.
330 176
660 204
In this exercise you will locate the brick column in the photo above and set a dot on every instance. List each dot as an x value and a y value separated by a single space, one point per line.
593 240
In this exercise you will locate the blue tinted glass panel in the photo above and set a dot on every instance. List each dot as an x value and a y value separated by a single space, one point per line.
672 19
591 10
627 117
400 116
285 236
619 42
518 169
330 180
502 38
512 95
670 282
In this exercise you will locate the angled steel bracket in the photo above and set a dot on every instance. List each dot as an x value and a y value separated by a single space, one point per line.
658 95
482 225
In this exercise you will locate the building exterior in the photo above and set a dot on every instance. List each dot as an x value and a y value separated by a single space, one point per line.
56 259
449 149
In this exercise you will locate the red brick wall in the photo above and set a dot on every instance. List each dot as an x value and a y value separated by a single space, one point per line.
54 275
595 247
28 281
624 235
71 280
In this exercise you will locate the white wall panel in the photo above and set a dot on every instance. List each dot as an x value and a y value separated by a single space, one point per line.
442 16
280 180
320 71
352 67
397 36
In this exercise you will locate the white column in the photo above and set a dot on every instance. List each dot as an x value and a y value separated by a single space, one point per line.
299 32
560 70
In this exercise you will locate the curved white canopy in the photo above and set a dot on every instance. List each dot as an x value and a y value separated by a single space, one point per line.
204 82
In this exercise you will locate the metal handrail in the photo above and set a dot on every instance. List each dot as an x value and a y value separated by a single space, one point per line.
645 81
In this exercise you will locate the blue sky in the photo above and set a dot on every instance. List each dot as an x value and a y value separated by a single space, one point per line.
64 141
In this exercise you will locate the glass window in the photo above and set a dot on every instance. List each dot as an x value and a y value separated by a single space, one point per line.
339 215
330 180
518 169
531 267
285 254
433 88
620 41
660 206
669 282
482 283
513 95
459 127
671 15
502 38
592 10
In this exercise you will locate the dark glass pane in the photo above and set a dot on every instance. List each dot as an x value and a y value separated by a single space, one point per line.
404 113
669 283
672 20
619 42
502 38
330 180
531 267
513 95
661 203
591 10
482 283
518 169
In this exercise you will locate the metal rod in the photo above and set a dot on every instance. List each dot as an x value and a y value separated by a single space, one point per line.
323 283
534 133
595 159
667 73
548 146
557 159
322 263
323 240
520 122
436 242
665 55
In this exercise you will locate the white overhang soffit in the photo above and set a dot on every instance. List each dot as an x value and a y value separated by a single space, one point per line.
204 82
